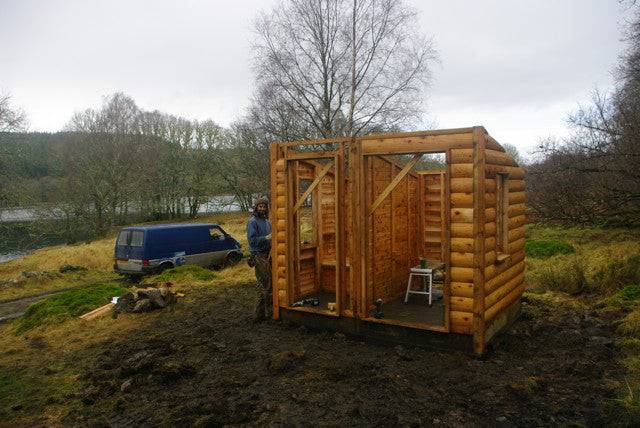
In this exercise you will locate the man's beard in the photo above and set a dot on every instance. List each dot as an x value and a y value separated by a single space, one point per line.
263 214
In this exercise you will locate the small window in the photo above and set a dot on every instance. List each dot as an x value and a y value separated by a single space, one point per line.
123 238
502 214
137 238
306 215
215 233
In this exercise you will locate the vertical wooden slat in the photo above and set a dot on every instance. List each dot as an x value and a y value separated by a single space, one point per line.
290 226
392 173
442 223
409 250
358 225
296 233
446 244
337 178
420 209
317 223
478 233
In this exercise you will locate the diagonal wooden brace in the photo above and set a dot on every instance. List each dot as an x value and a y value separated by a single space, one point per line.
396 180
313 185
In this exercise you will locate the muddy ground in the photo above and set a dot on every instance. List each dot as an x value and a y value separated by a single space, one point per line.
205 363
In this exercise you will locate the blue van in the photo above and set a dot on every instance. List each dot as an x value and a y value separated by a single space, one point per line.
146 249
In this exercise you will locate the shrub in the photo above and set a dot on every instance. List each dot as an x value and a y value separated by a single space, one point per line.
618 273
563 274
66 305
543 249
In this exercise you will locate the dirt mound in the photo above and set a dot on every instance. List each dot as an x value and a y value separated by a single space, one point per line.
206 364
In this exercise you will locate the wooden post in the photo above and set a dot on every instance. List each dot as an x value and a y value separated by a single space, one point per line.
273 157
358 222
478 232
446 244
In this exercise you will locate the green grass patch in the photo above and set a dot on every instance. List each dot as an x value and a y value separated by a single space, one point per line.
545 248
625 299
184 272
68 304
23 396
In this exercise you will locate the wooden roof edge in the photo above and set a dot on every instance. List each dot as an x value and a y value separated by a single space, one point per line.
342 140
432 132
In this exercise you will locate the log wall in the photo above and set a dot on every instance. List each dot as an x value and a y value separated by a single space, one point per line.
504 270
462 240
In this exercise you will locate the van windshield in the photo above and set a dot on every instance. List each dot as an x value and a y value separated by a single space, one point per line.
123 237
137 238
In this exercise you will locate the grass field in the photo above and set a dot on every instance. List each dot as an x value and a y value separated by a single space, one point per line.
42 353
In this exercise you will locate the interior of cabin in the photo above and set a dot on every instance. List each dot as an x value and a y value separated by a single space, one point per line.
406 229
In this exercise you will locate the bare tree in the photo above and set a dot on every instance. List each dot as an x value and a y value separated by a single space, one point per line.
11 118
342 68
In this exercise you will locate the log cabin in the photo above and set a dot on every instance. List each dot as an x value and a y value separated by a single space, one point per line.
352 217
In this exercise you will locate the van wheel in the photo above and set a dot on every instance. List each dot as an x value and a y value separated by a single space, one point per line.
232 259
164 266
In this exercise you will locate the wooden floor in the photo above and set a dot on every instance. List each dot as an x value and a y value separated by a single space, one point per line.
417 310
324 297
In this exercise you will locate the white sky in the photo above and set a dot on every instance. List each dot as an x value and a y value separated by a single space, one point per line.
517 67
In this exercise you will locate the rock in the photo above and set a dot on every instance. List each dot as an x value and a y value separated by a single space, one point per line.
126 385
126 303
142 305
16 407
156 298
145 299
501 419
338 336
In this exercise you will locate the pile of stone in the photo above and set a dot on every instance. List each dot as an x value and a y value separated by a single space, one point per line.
145 299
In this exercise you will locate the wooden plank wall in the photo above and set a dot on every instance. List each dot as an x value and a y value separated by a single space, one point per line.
433 215
327 233
503 279
392 230
306 278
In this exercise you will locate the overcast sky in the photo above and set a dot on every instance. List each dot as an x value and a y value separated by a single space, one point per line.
516 67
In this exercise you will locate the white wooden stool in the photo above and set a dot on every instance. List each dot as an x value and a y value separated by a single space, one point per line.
417 271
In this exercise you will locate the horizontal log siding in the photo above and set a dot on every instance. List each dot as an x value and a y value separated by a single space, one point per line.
504 279
278 220
462 241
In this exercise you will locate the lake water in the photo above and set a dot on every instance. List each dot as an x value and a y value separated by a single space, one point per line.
5 257
15 246
216 204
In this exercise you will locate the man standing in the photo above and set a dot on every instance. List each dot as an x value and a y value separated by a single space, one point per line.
259 238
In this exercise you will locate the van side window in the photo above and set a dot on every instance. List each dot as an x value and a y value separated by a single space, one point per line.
215 233
137 238
123 238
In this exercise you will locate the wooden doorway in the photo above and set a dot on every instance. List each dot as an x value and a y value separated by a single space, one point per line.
314 216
